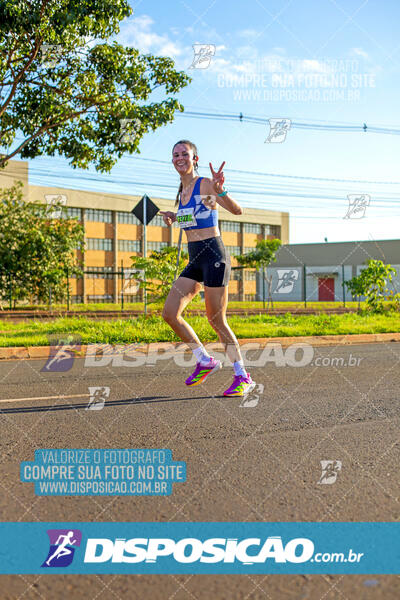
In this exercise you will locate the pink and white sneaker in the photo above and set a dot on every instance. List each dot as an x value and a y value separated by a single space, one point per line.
201 372
241 386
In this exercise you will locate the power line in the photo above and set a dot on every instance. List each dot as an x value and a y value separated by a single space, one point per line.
269 193
243 186
311 125
296 195
252 187
265 173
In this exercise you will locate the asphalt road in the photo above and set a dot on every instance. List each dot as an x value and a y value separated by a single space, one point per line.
257 460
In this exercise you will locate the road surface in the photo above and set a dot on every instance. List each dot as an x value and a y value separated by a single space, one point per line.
258 460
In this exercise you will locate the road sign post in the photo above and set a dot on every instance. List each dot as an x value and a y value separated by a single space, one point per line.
145 250
145 211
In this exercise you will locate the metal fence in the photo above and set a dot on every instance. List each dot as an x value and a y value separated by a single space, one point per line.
95 285
304 283
297 283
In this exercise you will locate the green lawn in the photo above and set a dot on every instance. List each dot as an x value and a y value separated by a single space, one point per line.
154 329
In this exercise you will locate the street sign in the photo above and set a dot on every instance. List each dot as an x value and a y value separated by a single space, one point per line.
151 210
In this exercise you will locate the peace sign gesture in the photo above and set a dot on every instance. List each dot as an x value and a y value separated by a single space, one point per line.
218 178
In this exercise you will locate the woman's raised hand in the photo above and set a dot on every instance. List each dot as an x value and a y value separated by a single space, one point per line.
218 178
168 217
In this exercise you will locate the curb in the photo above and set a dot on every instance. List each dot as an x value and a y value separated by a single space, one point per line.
38 352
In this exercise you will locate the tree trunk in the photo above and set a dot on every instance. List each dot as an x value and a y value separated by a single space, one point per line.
269 280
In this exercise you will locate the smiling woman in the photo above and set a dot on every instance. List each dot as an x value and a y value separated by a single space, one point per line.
209 264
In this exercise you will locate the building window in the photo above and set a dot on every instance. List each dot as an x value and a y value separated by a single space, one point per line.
129 246
100 298
233 249
250 275
250 297
236 274
156 245
131 298
273 230
252 228
99 272
70 212
157 221
229 226
99 244
127 218
101 216
248 249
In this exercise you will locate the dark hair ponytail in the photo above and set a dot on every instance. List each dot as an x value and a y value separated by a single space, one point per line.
195 164
178 195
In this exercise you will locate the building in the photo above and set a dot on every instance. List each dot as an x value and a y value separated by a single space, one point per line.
317 271
113 235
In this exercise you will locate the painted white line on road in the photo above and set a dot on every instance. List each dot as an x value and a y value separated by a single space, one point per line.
44 398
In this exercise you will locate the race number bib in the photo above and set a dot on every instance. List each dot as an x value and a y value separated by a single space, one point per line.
186 218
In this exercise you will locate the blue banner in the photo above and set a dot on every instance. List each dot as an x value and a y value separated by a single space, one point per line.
103 472
208 548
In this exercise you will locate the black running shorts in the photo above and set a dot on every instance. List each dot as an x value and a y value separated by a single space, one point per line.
209 263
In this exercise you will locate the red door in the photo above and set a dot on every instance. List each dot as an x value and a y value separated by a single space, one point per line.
326 289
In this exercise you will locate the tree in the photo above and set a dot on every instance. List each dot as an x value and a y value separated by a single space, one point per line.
159 271
356 288
372 283
36 251
68 91
261 258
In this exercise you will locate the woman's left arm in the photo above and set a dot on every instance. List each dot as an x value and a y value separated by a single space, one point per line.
214 187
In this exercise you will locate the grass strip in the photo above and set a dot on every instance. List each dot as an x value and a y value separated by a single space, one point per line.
154 329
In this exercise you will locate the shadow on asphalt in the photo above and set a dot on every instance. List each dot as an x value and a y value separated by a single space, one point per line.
108 404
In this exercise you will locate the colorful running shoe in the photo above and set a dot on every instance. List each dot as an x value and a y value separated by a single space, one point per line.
241 386
201 372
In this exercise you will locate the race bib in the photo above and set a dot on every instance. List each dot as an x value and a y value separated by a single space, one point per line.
186 218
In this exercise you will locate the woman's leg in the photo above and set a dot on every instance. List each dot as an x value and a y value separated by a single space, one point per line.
216 303
181 293
216 299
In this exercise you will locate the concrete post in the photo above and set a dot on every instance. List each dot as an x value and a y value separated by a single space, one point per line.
241 271
84 258
115 256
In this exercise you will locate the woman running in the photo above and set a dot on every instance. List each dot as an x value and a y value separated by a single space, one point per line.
209 263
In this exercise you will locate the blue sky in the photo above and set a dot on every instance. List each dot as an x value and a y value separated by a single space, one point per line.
343 56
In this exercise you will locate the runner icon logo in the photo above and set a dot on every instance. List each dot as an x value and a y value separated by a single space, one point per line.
55 203
62 547
251 400
278 130
286 281
98 396
62 353
330 470
203 54
357 206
